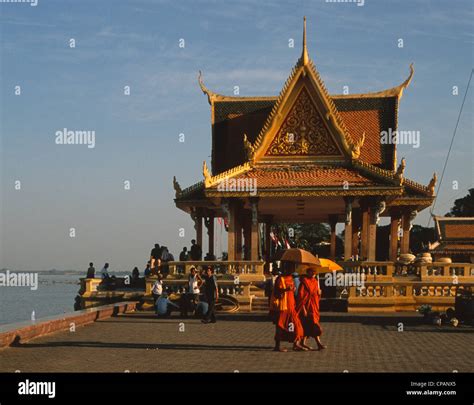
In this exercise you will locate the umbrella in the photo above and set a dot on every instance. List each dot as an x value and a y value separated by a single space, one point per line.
325 266
302 269
333 266
299 256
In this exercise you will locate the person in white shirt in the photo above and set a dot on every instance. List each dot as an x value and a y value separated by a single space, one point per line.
157 289
191 294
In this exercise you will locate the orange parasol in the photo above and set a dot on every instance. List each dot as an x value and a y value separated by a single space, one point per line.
299 256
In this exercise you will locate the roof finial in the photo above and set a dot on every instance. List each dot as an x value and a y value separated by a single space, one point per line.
304 55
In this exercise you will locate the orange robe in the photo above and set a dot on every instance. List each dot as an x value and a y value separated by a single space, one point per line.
307 306
288 324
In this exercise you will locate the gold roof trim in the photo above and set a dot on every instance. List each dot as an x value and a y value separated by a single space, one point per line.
210 181
304 53
177 187
212 96
190 189
396 91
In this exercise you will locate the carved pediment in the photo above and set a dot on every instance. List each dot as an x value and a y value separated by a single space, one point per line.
303 132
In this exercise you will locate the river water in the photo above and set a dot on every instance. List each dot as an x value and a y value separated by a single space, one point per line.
54 296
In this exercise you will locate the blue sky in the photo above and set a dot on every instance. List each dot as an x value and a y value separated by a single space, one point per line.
239 43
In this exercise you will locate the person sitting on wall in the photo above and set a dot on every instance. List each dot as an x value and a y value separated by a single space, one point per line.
135 276
147 271
105 271
183 257
155 256
209 257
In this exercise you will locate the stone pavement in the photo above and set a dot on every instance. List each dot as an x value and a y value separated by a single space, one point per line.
243 342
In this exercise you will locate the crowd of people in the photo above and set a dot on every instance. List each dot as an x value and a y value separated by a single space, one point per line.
293 299
200 295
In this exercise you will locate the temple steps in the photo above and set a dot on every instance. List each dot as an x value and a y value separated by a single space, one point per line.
260 304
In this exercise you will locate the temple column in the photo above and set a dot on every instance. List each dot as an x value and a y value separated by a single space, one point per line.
238 231
394 223
332 224
372 234
364 231
209 222
229 209
407 218
348 229
196 215
254 230
267 240
355 232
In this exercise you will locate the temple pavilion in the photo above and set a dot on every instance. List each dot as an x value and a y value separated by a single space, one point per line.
305 156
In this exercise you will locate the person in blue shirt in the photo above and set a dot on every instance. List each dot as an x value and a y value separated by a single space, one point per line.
147 271
164 306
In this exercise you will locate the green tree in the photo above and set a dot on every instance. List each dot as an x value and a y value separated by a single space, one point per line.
463 207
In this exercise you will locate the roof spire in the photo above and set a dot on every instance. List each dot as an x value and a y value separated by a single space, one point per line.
304 55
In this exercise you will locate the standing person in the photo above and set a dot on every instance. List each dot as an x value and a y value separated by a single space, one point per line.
211 292
283 308
157 289
91 271
196 251
307 307
190 297
155 256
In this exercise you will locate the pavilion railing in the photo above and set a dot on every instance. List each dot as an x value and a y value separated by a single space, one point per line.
371 270
236 267
441 271
404 295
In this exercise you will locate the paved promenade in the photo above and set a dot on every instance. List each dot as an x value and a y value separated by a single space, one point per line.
243 342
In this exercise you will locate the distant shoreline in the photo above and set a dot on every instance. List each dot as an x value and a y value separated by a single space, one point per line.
63 272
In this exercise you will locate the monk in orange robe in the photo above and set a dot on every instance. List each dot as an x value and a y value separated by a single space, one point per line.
307 308
287 322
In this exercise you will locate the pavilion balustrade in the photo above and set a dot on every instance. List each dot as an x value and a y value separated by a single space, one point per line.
231 267
403 295
369 268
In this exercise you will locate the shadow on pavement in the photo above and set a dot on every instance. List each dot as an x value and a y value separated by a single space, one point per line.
161 346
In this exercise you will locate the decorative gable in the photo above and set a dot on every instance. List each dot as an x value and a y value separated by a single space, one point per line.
303 132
